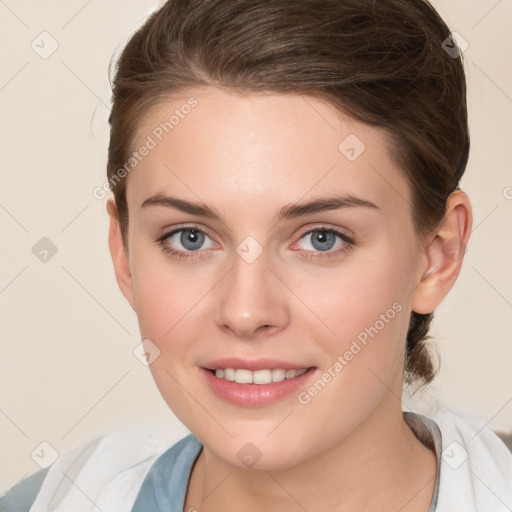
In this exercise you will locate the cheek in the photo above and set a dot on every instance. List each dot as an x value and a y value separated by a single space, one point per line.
363 308
166 294
355 295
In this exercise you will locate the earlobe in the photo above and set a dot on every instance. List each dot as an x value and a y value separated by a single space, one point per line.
445 252
119 255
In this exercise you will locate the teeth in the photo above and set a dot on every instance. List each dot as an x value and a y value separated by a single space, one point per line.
229 374
259 376
278 375
243 376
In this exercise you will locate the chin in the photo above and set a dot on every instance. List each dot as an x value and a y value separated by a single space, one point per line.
257 452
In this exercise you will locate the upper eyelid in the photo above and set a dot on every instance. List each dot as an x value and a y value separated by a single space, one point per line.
179 228
325 227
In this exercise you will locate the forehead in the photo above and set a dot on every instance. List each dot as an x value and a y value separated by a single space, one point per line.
229 148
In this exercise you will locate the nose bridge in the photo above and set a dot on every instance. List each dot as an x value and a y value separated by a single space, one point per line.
251 296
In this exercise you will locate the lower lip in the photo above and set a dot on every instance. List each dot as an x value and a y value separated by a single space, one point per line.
254 395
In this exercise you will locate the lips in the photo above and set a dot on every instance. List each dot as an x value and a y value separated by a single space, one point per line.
255 383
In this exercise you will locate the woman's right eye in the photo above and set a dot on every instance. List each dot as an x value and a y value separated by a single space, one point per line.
185 241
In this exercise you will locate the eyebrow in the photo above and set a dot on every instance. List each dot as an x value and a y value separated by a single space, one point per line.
287 212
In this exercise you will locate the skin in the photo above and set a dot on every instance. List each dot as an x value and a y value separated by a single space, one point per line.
247 156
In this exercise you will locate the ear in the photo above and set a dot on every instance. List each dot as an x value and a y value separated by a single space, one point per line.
444 253
119 254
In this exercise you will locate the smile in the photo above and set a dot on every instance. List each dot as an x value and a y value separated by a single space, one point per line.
256 383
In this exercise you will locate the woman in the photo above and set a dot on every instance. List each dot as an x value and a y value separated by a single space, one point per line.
286 218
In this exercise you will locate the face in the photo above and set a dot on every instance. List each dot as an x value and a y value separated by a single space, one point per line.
270 233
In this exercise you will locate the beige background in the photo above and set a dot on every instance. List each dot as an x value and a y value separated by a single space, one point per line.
67 368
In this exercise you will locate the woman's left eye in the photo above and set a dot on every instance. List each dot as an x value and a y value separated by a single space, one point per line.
322 240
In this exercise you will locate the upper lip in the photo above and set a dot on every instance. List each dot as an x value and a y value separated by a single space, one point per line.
253 364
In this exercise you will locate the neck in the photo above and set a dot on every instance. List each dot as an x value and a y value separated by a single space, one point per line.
381 465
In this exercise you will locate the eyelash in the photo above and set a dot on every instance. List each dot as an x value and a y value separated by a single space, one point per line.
191 255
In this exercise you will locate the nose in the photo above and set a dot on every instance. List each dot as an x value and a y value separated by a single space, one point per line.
252 301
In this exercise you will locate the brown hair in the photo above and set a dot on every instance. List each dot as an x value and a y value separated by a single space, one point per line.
382 62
